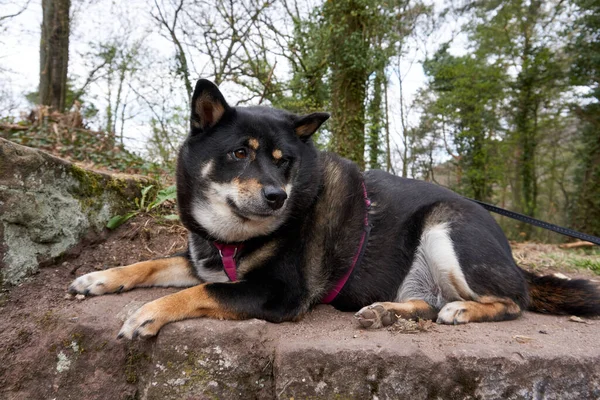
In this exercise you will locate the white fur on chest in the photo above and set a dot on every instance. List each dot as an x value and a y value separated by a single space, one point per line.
206 274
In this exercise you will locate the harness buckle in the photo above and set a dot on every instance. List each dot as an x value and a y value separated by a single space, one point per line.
234 252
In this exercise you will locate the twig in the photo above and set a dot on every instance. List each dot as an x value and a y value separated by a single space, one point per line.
577 244
14 127
264 93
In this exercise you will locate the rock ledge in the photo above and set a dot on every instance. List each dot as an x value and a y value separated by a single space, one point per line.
48 205
324 356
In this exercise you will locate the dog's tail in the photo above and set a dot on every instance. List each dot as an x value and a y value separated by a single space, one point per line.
552 295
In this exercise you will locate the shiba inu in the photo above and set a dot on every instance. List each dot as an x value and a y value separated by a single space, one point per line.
276 227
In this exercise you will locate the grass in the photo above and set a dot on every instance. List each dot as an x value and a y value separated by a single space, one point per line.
592 265
544 256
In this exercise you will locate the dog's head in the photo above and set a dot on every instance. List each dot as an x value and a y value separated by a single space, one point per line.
242 171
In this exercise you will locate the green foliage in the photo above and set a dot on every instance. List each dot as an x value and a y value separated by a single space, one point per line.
463 112
144 205
361 36
585 52
517 34
587 211
334 54
592 265
500 111
119 220
163 195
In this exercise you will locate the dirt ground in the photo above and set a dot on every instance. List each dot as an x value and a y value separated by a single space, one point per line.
27 311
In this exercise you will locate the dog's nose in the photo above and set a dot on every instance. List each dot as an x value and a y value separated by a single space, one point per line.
275 196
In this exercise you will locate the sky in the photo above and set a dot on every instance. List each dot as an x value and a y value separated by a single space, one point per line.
102 19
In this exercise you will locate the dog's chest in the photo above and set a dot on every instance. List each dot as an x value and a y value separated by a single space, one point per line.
208 272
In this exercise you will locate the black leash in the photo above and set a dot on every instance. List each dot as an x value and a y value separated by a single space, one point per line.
537 222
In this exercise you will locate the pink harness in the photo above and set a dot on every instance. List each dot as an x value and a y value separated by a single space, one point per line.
229 251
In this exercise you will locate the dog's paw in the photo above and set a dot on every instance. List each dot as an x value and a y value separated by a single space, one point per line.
454 313
375 316
144 323
95 283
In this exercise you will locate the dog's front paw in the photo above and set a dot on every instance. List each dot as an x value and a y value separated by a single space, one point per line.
375 316
144 323
95 283
454 313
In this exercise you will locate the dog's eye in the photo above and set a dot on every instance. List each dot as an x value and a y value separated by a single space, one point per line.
282 163
240 154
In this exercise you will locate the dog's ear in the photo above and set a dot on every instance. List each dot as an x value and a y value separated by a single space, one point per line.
306 125
208 106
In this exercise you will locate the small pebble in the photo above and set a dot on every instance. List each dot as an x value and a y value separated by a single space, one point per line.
355 336
68 296
80 297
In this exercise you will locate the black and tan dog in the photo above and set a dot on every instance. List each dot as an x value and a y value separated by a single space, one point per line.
276 227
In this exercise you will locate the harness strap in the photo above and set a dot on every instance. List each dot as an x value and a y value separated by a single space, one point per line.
359 253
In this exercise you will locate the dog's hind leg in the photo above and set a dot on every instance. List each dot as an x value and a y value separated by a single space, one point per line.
436 282
378 315
485 309
171 271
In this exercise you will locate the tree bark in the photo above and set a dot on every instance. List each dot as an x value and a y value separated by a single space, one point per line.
349 73
376 120
54 54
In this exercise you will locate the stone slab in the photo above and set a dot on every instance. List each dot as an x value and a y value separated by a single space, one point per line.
327 356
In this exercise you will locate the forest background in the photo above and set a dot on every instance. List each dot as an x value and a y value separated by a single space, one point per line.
507 110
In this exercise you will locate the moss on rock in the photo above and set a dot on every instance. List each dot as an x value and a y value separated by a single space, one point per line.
48 205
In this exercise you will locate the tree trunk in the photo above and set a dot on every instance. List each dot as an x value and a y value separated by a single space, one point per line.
54 53
376 120
388 150
349 73
348 116
525 123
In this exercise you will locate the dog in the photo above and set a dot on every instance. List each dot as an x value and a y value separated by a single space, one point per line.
277 227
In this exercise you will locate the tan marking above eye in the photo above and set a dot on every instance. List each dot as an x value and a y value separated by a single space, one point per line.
253 143
277 154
